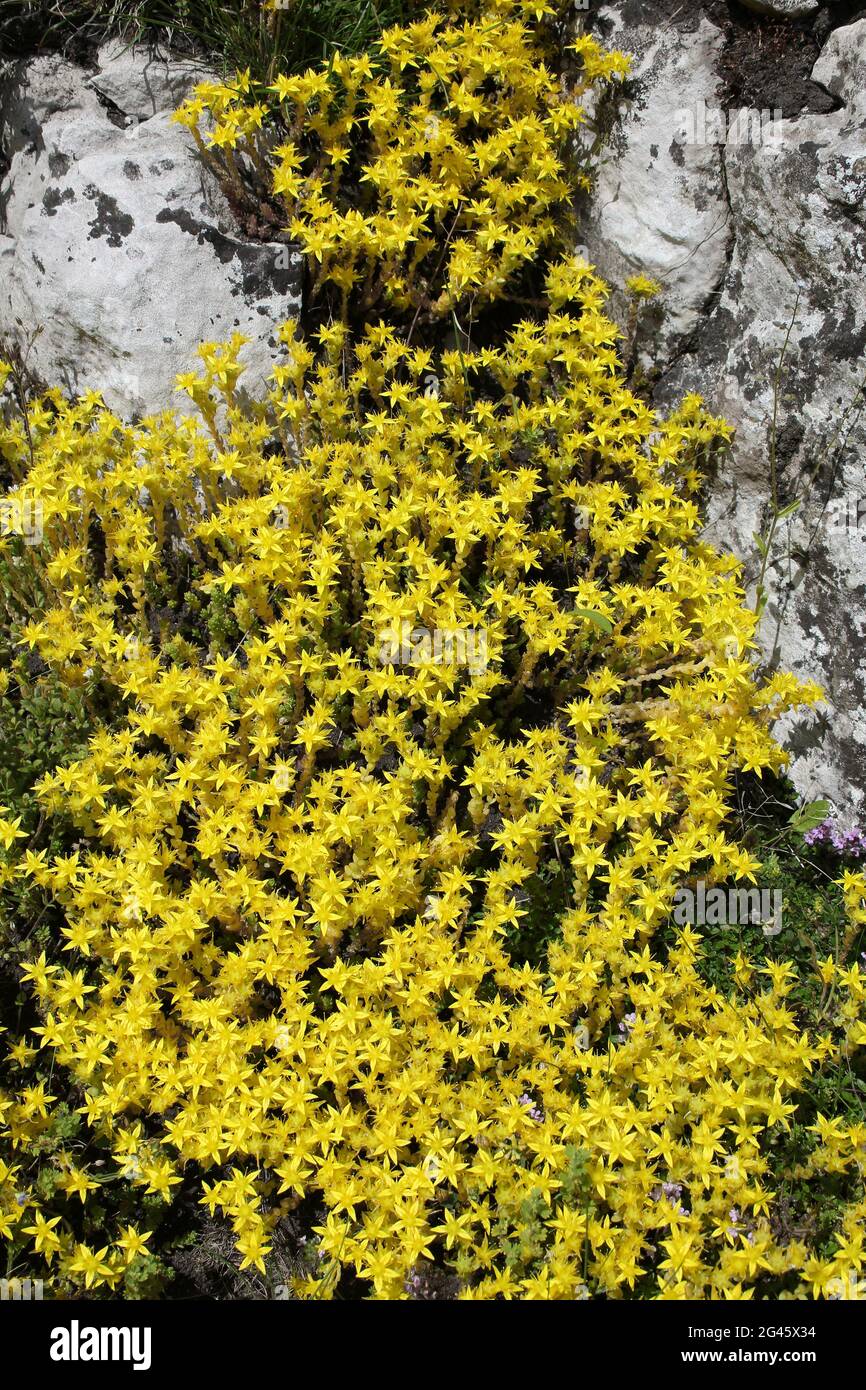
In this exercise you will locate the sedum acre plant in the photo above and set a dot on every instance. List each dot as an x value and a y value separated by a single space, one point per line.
293 965
424 177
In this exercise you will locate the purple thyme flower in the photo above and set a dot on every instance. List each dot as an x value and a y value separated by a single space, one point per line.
535 1111
850 843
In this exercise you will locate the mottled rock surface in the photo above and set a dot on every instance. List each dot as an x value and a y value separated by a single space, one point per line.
759 236
787 9
659 205
116 242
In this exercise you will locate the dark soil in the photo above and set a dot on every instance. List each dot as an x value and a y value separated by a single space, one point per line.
767 62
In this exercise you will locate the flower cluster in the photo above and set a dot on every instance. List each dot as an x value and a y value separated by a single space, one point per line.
294 961
425 174
849 844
